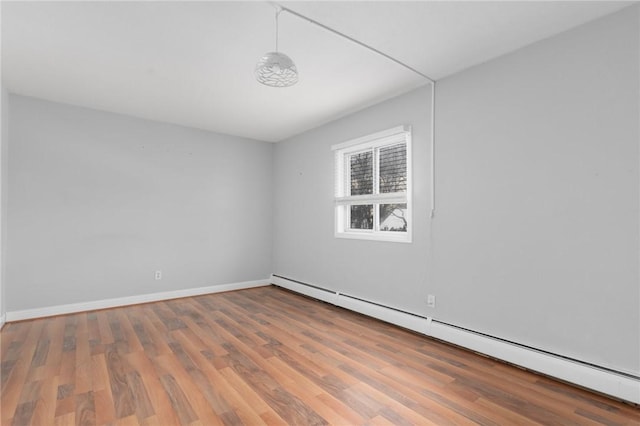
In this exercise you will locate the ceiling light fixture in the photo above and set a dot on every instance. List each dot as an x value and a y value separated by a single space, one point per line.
276 69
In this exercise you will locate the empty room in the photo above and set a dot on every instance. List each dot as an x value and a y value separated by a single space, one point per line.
320 213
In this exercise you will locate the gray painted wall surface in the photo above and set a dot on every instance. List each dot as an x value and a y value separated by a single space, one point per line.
536 238
304 244
100 201
536 234
4 143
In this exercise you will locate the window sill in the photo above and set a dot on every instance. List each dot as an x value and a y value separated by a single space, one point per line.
387 237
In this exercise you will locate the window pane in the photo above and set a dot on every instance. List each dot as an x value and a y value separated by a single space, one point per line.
393 168
361 173
393 217
362 216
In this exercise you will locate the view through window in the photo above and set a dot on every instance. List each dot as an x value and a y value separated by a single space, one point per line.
372 186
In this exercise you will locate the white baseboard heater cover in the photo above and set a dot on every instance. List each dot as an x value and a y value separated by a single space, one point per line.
601 380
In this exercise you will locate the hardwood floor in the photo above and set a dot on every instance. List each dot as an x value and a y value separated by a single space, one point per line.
266 356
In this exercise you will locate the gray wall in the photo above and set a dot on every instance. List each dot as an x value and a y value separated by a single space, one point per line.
305 248
4 143
100 201
536 234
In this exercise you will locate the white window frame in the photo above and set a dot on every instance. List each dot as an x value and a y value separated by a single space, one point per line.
342 199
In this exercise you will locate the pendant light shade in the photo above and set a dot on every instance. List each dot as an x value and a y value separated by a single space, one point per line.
276 69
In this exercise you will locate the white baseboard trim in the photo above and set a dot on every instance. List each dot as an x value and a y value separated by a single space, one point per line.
129 300
3 319
601 380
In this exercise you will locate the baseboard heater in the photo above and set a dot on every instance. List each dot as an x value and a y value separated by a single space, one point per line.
621 385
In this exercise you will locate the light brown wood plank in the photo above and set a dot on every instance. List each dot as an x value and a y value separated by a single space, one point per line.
83 374
179 401
121 392
104 407
46 406
13 387
99 372
158 397
141 399
85 409
68 419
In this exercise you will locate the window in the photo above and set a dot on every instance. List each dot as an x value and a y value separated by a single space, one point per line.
372 193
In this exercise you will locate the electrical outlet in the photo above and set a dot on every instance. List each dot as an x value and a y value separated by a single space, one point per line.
158 275
431 301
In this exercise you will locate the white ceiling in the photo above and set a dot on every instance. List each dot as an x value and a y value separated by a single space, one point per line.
191 63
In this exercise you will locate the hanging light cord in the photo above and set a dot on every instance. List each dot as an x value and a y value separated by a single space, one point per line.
278 10
281 8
